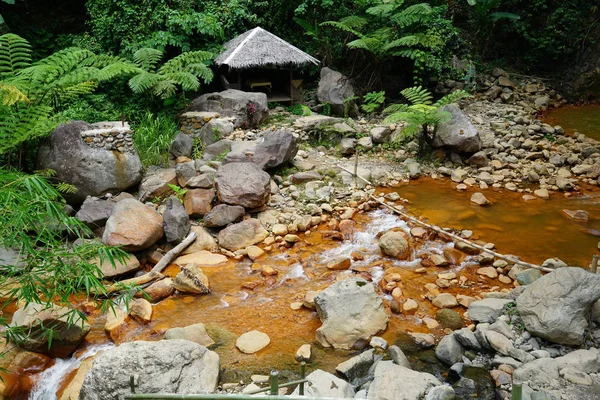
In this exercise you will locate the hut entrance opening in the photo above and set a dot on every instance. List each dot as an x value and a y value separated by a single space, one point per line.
277 83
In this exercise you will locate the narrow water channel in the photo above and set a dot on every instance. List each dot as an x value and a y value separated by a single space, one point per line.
582 119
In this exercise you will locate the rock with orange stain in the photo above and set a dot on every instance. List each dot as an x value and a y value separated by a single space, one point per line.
204 241
191 279
254 252
453 256
266 270
141 310
347 228
198 202
340 263
115 325
251 285
410 306
242 234
31 362
133 225
158 291
490 272
203 257
395 244
71 391
445 300
465 301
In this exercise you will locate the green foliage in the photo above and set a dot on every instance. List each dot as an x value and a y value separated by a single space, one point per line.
123 26
179 191
186 70
299 109
326 109
422 114
33 93
373 101
153 136
485 17
391 28
49 269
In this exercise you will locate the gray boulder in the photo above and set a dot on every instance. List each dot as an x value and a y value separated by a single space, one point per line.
557 306
68 333
356 369
333 89
351 313
94 212
449 350
487 310
214 130
182 145
243 184
248 108
458 134
242 234
276 149
394 382
93 171
217 150
223 215
156 183
323 384
176 222
167 366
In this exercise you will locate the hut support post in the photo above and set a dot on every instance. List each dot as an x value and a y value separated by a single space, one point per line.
291 84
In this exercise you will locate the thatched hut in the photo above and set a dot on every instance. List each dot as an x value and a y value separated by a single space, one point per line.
257 60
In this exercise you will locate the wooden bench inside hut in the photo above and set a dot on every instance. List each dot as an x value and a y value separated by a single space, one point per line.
258 61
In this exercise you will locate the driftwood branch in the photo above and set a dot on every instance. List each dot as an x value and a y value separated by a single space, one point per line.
138 280
174 252
155 273
443 232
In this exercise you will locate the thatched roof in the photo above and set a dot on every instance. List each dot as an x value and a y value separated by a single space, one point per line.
259 48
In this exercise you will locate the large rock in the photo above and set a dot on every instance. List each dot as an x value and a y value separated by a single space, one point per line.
176 221
36 318
156 183
167 366
214 130
458 134
334 88
94 212
223 215
243 184
487 310
129 264
449 350
557 306
133 225
248 108
182 145
276 149
323 384
394 382
351 313
93 171
195 333
395 244
204 241
242 234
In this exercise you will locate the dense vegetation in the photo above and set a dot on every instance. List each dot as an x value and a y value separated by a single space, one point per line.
143 60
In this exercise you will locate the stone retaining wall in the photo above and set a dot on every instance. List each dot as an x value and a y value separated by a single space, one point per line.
192 122
114 136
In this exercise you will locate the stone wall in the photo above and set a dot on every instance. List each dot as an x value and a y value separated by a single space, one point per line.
114 136
192 122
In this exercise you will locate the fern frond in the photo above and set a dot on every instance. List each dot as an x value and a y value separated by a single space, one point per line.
412 15
46 172
165 89
417 95
147 58
452 98
395 108
144 81
82 74
187 80
64 94
10 95
119 68
65 188
382 10
346 28
28 123
15 53
180 63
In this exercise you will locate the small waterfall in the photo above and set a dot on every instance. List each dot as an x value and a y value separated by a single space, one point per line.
49 381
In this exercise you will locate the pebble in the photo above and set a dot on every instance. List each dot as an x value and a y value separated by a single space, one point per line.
252 342
490 272
410 305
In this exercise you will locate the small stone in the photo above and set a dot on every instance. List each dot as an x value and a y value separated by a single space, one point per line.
577 215
268 271
465 301
309 299
254 252
291 238
504 279
542 193
423 340
410 306
490 272
445 300
340 263
252 342
304 353
296 305
430 323
479 199
141 310
378 343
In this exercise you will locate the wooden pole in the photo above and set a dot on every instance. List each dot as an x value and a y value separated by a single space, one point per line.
453 236
167 258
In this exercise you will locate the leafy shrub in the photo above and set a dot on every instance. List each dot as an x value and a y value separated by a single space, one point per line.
372 101
153 136
299 109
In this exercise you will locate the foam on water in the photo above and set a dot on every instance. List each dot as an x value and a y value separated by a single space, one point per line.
49 381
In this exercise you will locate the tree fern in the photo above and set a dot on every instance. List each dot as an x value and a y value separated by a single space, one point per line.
10 94
28 123
15 53
147 58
